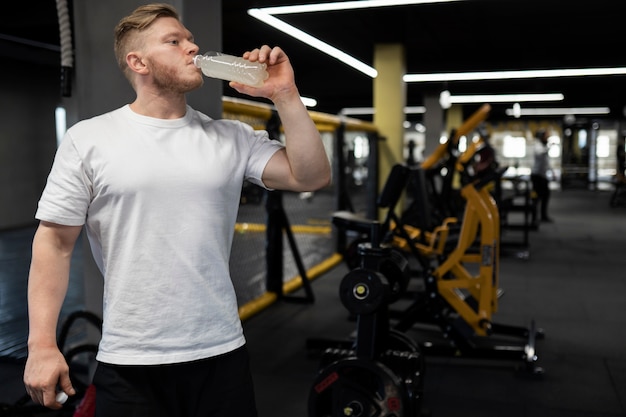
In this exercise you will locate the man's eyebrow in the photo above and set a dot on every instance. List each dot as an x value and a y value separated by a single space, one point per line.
178 34
173 34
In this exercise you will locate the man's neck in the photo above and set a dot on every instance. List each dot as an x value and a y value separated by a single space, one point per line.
160 107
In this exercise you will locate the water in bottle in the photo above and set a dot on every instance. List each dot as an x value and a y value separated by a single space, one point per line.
231 68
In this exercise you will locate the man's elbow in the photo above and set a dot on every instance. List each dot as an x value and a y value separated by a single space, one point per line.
323 180
322 183
316 182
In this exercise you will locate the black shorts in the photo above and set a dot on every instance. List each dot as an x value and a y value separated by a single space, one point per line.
215 387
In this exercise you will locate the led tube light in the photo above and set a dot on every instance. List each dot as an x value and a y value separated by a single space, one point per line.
504 98
345 5
558 111
313 41
370 110
509 75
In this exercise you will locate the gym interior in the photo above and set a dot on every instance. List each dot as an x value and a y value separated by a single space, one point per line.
421 282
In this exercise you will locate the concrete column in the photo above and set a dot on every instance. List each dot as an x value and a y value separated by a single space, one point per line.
389 103
454 117
433 121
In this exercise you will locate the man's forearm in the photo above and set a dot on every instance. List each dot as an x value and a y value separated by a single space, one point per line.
48 281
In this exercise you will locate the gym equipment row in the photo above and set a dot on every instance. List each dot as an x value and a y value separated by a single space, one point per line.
456 267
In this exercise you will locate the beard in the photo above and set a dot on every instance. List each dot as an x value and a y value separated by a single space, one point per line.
172 79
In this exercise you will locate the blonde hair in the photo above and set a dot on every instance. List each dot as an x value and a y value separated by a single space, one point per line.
140 19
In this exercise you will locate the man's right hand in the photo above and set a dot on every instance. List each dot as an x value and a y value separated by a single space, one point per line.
46 370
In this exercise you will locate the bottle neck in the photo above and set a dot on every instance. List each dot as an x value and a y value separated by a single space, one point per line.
196 60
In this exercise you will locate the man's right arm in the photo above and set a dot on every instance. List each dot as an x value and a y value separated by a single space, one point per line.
48 280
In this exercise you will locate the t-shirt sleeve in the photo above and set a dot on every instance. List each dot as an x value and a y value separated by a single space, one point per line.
67 194
262 148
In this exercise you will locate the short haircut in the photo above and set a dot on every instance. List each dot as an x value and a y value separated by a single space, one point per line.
140 19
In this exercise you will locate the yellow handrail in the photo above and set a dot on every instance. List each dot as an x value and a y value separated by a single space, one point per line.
323 121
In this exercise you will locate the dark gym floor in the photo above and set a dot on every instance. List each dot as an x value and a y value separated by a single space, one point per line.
573 285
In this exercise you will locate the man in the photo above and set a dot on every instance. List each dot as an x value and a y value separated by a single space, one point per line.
156 185
539 173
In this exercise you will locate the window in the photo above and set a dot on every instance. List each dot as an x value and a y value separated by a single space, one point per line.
514 146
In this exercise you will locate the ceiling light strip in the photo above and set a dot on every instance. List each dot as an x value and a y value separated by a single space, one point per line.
345 5
508 75
313 42
559 111
504 98
356 111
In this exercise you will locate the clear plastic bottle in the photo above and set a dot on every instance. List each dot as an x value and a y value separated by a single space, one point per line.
231 68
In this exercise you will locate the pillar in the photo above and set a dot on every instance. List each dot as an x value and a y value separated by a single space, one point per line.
433 121
454 117
389 102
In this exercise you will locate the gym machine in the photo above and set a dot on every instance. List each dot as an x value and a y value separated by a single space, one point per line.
461 293
380 373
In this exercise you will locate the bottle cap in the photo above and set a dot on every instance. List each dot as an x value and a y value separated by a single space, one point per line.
61 397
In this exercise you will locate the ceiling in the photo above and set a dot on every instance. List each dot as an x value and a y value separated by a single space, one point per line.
471 35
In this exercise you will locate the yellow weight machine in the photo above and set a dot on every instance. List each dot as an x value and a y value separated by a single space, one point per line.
472 292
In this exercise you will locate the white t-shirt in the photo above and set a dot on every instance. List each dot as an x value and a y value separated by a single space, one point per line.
159 200
541 164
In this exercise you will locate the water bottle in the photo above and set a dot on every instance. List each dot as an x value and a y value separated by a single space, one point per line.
231 68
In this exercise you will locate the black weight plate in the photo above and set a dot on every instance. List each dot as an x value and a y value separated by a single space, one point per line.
396 269
409 368
362 291
357 388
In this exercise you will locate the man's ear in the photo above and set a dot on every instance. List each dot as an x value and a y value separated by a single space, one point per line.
135 63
